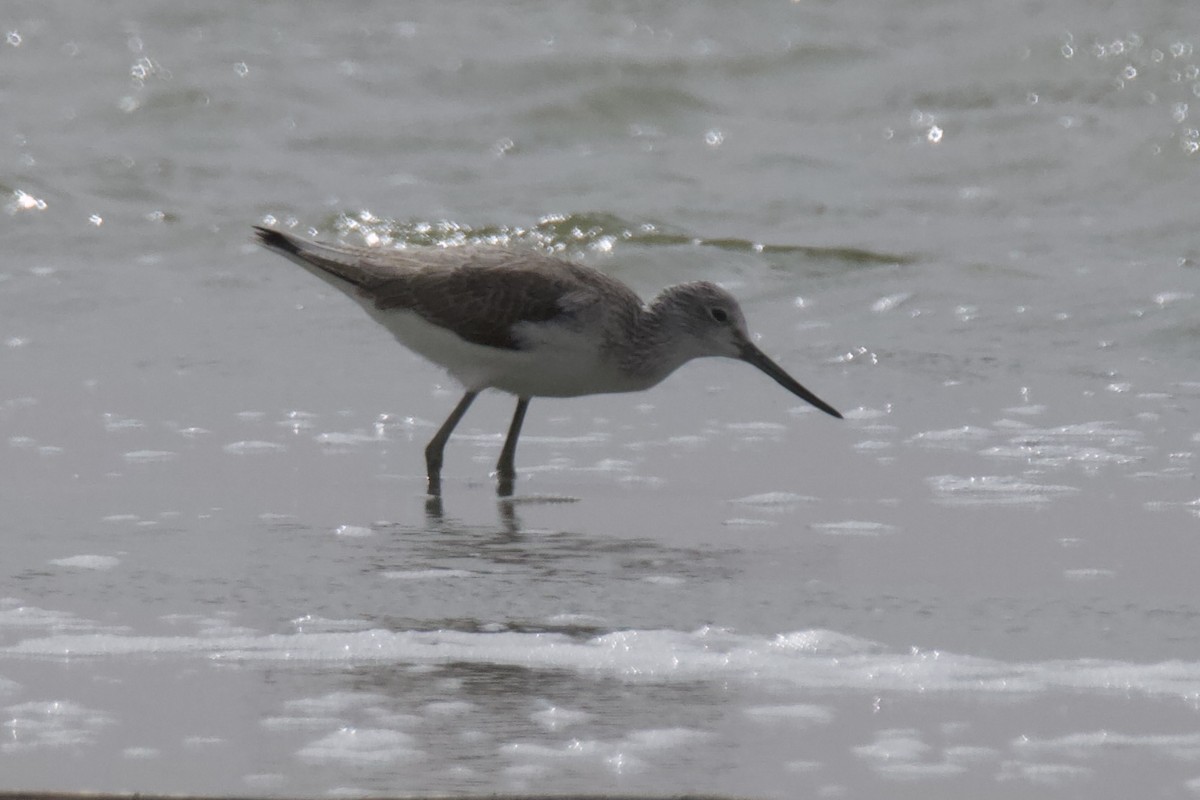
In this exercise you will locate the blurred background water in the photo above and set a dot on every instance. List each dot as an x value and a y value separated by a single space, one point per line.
969 226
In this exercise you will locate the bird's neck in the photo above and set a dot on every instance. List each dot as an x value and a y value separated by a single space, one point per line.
657 345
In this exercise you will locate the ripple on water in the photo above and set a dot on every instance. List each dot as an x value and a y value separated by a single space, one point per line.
428 574
361 747
993 490
353 531
115 423
149 456
1055 455
808 660
627 753
853 527
253 448
51 724
795 714
554 718
345 440
958 438
1098 744
902 753
1088 443
87 562
750 522
773 499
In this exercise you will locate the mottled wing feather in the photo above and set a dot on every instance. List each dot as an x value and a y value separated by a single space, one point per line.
479 293
486 292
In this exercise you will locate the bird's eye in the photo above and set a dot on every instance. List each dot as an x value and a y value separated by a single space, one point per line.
719 314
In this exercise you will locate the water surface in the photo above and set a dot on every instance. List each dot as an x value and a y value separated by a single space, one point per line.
970 228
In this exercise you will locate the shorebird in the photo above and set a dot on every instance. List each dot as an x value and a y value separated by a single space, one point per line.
530 324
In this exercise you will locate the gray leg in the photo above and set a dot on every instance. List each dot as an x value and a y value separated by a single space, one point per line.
433 451
505 468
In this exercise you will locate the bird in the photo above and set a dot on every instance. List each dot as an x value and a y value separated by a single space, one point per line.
530 324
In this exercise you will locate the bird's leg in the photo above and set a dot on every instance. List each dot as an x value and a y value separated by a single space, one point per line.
504 467
433 450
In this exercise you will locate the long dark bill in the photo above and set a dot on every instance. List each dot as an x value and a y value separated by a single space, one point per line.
752 355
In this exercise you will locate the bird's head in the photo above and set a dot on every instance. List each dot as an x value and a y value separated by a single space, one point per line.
709 322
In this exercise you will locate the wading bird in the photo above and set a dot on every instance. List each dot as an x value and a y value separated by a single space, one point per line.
530 324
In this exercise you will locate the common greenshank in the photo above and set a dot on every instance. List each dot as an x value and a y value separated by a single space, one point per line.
530 324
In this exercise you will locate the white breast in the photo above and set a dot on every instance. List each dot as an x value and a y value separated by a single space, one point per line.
555 361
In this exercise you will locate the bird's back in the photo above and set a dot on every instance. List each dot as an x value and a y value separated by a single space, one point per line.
477 292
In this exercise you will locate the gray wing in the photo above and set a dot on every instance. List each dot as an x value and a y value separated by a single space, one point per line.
479 293
484 293
360 266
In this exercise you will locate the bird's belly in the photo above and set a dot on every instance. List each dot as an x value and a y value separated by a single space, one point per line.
556 362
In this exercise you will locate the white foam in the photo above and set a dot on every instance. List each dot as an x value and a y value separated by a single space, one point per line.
585 439
755 427
1088 574
1043 774
361 747
149 456
555 718
352 531
297 421
812 660
794 713
971 754
894 745
619 756
866 413
773 499
141 753
663 738
1031 410
852 527
745 522
901 754
1166 298
890 302
1051 455
29 617
251 448
49 724
114 423
642 481
1098 744
993 490
664 580
334 703
1099 430
692 442
427 574
953 437
351 439
87 562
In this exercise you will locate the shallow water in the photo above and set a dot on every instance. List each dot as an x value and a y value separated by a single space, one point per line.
972 230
